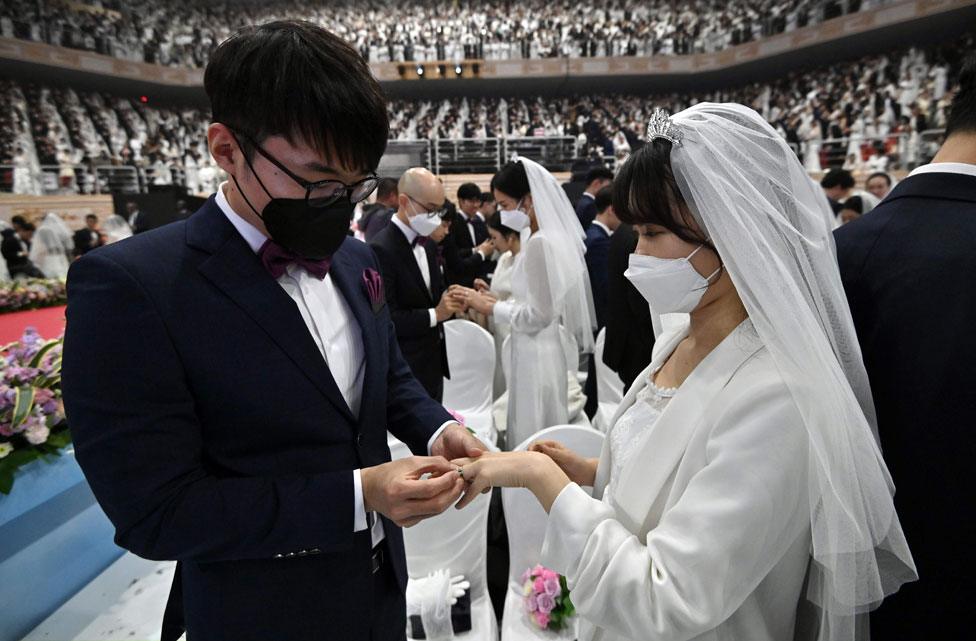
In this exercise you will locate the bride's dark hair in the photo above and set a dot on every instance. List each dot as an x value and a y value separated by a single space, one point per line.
511 180
645 193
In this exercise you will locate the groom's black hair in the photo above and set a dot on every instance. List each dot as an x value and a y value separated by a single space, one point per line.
962 113
645 193
295 79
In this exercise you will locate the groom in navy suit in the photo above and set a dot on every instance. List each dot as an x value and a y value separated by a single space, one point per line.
230 379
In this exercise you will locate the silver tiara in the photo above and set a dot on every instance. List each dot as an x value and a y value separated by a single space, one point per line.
661 126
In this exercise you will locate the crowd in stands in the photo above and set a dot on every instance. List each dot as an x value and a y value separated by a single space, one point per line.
183 32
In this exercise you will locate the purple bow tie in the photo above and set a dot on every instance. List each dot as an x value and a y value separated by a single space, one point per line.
276 259
420 240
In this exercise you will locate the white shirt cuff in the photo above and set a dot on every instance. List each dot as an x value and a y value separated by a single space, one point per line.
433 317
359 516
433 438
502 312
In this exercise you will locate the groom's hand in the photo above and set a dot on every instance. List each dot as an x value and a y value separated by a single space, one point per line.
456 441
396 490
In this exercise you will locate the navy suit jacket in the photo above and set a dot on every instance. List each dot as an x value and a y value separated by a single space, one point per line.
464 264
586 210
410 302
630 334
907 268
597 254
212 432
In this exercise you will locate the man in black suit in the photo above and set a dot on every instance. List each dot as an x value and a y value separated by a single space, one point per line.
470 246
231 378
135 217
377 215
596 179
418 300
15 248
630 332
597 249
597 252
88 237
907 268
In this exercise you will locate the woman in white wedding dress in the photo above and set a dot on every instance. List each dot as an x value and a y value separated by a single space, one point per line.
741 494
550 288
51 247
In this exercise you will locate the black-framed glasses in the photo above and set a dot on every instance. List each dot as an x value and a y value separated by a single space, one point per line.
323 192
429 211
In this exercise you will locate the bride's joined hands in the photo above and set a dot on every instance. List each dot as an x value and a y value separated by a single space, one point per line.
481 302
532 470
580 470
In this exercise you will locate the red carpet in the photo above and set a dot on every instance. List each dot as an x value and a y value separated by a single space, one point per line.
49 323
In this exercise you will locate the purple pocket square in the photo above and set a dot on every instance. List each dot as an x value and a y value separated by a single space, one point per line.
374 289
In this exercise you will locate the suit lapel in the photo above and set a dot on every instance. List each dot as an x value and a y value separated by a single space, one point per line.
405 251
349 280
666 441
236 270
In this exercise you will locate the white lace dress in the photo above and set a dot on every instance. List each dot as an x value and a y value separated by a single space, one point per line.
648 406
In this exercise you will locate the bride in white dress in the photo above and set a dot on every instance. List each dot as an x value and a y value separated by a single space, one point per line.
741 493
51 247
550 287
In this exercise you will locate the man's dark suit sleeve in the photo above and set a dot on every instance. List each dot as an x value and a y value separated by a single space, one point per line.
586 211
597 250
410 323
139 440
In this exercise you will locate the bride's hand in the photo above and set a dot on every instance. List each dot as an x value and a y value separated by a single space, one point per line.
580 470
532 470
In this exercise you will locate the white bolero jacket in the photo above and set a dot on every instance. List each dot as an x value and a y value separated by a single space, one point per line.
707 533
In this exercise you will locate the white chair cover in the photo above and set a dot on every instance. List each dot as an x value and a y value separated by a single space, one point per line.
609 387
456 540
469 391
526 523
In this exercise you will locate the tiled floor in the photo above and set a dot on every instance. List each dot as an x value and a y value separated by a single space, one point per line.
125 603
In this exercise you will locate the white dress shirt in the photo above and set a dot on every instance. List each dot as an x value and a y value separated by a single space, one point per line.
420 254
963 168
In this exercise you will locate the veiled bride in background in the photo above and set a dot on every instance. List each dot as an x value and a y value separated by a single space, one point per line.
741 493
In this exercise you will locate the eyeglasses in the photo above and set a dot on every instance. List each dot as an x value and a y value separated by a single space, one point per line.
429 211
323 192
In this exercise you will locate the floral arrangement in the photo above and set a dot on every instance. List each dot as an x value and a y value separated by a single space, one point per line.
32 420
546 598
33 293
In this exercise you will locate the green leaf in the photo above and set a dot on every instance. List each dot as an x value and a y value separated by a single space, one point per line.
41 353
22 405
60 439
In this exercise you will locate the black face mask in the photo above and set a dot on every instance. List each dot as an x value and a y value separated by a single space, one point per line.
314 233
310 232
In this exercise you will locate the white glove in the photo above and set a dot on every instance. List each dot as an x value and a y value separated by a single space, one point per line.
432 598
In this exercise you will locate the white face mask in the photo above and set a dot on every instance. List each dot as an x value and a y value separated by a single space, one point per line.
424 224
515 219
670 285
